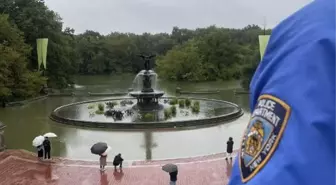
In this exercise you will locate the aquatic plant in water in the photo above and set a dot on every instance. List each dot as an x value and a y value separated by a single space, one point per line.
173 101
167 114
148 117
91 106
187 102
173 110
181 103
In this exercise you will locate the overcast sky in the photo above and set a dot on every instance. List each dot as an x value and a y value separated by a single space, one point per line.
153 16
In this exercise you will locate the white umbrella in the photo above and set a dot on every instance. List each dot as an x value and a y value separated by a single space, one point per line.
38 141
50 134
107 150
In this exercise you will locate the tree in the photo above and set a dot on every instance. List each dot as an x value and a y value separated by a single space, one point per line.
16 81
218 53
36 21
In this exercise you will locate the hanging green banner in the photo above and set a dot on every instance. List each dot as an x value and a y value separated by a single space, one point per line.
42 47
263 41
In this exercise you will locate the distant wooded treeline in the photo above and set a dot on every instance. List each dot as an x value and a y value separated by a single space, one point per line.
187 55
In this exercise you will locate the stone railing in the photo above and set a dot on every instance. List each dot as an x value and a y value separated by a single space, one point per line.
2 138
205 122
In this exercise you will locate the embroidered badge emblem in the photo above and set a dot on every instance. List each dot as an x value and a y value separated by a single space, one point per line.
262 135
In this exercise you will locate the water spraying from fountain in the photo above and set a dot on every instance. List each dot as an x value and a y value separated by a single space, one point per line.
137 84
144 89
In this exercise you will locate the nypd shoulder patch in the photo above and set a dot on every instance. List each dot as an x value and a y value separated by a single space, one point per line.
262 135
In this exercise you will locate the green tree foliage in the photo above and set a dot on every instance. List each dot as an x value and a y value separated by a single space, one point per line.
35 20
210 54
16 81
248 71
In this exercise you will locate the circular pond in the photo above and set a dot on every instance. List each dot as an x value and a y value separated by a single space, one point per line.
122 113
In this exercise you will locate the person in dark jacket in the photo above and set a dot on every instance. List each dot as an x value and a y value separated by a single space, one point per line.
117 161
47 148
229 148
173 177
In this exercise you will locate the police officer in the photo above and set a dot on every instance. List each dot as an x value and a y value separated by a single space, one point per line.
290 139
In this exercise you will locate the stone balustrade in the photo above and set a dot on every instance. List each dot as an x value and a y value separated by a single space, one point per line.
2 138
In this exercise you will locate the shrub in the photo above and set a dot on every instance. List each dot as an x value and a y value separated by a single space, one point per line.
187 102
181 103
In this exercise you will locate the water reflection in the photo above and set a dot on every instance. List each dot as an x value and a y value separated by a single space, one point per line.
149 144
118 175
103 179
228 169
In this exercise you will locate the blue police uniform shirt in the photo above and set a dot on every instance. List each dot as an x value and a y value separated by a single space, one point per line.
290 139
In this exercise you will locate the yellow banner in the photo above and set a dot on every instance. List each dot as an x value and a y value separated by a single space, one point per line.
263 41
42 47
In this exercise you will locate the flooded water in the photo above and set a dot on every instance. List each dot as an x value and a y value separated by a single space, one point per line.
26 122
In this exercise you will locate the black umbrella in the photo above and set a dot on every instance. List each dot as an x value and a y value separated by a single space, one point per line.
99 148
169 168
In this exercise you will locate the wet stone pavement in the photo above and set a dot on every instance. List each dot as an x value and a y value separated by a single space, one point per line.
19 167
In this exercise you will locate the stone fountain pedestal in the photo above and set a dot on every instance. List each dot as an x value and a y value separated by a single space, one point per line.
2 138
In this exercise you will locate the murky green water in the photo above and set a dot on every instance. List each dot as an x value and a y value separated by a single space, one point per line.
26 122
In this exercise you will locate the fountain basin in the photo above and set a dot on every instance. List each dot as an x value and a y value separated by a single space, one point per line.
77 114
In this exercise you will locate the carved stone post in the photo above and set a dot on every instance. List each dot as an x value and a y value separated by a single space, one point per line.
2 138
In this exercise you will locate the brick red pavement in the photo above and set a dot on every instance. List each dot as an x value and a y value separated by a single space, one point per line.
19 167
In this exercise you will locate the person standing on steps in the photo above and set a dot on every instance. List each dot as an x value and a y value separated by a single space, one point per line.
47 148
229 148
102 162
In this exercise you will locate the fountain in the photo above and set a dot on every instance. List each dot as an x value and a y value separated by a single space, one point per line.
147 97
151 109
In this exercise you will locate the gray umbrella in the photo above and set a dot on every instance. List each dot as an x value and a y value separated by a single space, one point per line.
99 148
169 168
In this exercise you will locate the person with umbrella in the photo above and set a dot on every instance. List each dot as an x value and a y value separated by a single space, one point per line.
173 171
102 162
101 149
40 151
47 144
38 144
47 148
